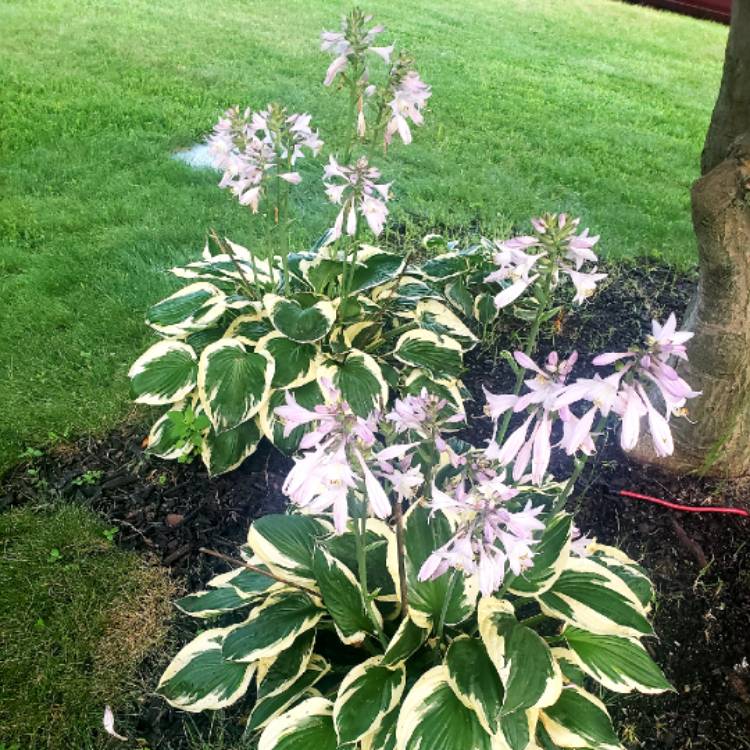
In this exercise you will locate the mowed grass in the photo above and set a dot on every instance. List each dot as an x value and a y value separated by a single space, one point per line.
594 107
79 615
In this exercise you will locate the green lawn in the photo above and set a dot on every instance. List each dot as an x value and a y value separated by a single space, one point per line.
595 107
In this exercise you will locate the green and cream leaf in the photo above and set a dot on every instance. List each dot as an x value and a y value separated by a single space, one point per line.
199 678
164 373
192 308
306 726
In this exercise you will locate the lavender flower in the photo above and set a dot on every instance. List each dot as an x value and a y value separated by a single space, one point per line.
356 188
558 251
410 95
489 540
249 146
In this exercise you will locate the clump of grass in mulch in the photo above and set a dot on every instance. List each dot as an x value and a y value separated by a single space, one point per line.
79 616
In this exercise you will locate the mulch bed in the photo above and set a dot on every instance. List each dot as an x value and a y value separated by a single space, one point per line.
699 563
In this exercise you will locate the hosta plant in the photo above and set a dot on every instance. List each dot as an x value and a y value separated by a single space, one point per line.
249 326
233 344
416 597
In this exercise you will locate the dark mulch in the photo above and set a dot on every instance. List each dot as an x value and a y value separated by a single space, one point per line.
700 563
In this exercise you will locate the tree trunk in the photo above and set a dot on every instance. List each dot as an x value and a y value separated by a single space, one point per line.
731 116
715 438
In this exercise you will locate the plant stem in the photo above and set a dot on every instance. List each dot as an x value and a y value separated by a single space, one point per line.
446 603
579 467
528 351
533 620
360 535
398 513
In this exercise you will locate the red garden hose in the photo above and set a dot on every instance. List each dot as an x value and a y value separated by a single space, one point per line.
686 508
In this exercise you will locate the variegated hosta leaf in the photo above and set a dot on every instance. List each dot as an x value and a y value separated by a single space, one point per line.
402 298
359 378
436 317
285 543
445 266
459 296
193 308
251 327
551 555
384 737
213 602
519 728
588 595
475 681
247 582
308 726
441 356
270 706
632 574
373 267
423 534
620 664
308 395
569 666
405 641
272 627
529 672
321 272
199 678
294 362
363 335
225 451
579 719
164 373
343 598
377 538
367 693
485 310
305 319
279 672
233 382
432 717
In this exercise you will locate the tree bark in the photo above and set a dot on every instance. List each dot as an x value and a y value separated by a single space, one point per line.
715 438
731 116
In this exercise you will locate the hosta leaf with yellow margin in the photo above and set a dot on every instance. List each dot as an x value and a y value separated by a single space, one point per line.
424 532
225 451
384 737
247 582
213 602
343 600
270 706
359 378
435 316
527 669
251 327
404 642
165 373
285 543
620 664
432 717
441 356
193 308
305 320
308 726
276 673
475 680
166 439
233 381
272 627
588 595
294 363
633 575
445 266
366 695
199 678
373 267
519 729
551 555
579 719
